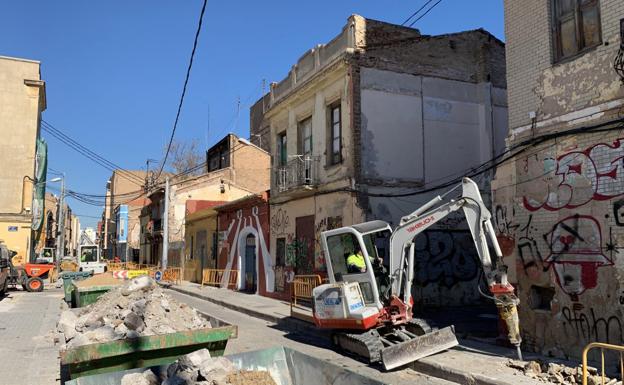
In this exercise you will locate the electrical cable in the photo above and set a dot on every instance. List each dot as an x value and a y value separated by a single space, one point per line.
76 146
188 73
417 11
425 14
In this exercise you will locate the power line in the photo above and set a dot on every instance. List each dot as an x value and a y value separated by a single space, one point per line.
425 14
83 150
417 11
188 73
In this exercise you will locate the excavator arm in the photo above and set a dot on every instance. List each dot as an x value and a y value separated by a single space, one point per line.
479 222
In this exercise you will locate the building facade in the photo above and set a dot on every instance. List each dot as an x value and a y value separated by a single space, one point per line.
382 109
234 168
23 99
558 200
126 196
243 245
200 242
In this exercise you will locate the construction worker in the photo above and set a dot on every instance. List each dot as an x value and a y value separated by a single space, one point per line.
355 262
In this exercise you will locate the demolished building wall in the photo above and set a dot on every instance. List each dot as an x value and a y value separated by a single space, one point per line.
557 202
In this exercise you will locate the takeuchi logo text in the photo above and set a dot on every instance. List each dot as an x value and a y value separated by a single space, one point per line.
420 224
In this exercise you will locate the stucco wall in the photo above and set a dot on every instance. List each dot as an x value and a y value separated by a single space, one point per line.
557 204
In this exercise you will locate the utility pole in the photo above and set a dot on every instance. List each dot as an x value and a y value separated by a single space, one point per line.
165 249
61 226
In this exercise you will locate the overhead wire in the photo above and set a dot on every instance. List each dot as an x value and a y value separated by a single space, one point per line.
83 150
425 14
188 73
416 12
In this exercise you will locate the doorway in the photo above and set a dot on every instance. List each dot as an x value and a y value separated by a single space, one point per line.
250 278
304 245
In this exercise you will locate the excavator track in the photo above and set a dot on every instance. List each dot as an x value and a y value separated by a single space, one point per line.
393 347
367 345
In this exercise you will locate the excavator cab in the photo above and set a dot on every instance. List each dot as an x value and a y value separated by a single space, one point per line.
369 306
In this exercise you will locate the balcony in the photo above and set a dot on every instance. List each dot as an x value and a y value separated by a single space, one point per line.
301 172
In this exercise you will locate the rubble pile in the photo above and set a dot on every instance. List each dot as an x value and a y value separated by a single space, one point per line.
137 308
198 368
553 373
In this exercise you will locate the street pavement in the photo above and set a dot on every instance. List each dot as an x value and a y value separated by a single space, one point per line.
255 333
28 355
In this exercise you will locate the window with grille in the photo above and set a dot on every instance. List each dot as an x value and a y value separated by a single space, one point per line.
576 27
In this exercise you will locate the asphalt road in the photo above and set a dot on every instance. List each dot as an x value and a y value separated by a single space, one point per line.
27 352
257 334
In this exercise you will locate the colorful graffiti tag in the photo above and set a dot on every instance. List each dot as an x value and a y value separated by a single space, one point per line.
576 253
592 174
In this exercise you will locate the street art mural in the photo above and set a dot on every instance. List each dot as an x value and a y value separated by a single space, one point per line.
576 253
445 258
595 173
564 214
246 222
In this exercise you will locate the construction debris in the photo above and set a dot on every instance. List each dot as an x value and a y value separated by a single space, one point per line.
554 373
198 368
137 308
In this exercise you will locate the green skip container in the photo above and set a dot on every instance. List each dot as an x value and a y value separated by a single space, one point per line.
286 366
68 277
144 351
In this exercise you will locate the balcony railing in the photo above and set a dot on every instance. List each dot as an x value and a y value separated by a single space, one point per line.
302 171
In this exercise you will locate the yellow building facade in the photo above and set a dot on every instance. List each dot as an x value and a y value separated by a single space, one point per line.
23 98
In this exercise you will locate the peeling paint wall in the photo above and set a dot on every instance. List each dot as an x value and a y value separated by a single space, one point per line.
557 206
419 131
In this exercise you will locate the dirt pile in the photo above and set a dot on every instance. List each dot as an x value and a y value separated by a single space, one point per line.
553 373
198 368
137 308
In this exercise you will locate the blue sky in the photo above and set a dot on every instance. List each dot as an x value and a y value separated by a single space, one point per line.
114 69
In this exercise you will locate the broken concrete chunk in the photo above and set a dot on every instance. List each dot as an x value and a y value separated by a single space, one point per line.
195 359
133 322
79 340
139 283
67 324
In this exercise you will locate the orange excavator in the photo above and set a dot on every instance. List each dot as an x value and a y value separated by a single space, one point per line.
369 308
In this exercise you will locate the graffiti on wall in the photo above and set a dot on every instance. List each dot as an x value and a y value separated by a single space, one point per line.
279 222
445 257
581 176
325 224
576 253
588 326
296 254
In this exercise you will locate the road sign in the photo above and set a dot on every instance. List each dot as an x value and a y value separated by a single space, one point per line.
158 275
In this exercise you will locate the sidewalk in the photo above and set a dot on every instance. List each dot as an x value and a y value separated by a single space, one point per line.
471 362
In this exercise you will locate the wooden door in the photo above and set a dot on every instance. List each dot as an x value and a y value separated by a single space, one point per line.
304 234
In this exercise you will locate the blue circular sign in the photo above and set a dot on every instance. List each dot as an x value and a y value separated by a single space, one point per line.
158 275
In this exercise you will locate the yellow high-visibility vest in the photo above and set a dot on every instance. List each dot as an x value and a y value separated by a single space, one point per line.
357 261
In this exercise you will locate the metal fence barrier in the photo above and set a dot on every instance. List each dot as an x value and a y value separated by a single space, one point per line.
602 347
302 287
214 277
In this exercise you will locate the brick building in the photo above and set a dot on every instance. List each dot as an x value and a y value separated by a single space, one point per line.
378 110
558 202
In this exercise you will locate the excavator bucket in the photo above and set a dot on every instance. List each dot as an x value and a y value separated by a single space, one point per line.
403 353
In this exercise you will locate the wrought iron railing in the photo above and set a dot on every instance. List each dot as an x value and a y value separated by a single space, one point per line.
299 172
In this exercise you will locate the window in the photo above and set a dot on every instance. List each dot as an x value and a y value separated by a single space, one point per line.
305 136
282 154
280 255
334 143
576 26
340 248
219 155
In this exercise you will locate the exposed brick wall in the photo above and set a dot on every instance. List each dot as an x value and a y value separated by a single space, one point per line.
537 83
559 202
259 128
471 56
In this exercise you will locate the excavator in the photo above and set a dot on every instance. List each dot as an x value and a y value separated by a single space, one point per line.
369 309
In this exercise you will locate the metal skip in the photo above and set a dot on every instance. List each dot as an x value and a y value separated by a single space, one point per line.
422 346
